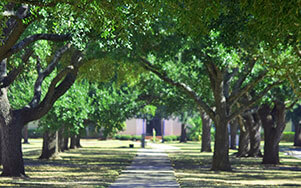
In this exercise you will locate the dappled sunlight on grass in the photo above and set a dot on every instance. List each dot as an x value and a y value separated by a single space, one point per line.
192 169
97 164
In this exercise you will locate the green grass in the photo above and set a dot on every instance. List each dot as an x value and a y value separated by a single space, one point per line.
192 169
97 164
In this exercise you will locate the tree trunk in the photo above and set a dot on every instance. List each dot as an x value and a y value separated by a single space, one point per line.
297 138
25 135
66 142
233 133
244 138
11 124
50 145
255 137
221 146
183 137
72 142
206 133
77 141
273 122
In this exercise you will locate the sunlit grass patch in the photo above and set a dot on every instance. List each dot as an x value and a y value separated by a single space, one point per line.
192 169
97 164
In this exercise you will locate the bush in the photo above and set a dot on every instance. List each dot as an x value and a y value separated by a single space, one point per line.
288 136
171 138
136 137
124 137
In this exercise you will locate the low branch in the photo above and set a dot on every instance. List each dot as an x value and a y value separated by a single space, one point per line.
12 75
245 73
30 39
148 66
43 74
250 103
236 95
64 79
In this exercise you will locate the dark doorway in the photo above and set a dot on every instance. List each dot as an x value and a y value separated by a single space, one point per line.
156 124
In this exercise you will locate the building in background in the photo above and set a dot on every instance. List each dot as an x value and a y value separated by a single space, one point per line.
163 127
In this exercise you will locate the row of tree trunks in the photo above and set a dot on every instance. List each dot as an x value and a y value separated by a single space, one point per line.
244 138
55 142
273 121
254 127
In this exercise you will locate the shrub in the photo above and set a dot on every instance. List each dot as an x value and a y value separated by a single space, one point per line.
171 138
136 137
288 136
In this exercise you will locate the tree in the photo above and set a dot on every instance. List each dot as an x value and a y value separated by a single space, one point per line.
84 19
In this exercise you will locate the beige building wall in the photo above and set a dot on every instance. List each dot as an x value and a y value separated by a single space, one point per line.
135 127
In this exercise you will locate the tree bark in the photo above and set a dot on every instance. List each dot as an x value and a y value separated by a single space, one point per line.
206 133
66 142
11 124
77 141
183 137
25 135
297 138
244 138
233 133
50 145
255 137
72 142
273 121
221 146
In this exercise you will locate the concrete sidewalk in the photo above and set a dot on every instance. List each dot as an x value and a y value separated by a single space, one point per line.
150 168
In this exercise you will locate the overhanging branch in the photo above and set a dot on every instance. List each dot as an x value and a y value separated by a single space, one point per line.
30 39
250 103
42 74
12 75
148 66
236 95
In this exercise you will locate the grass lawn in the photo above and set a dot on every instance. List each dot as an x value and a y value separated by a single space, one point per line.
97 164
192 169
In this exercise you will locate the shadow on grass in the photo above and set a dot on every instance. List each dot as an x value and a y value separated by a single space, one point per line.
95 166
193 170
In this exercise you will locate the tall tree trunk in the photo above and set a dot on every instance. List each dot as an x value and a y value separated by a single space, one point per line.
297 138
273 122
25 135
50 145
66 142
77 141
233 133
221 146
11 124
72 142
206 133
244 138
183 137
61 139
255 137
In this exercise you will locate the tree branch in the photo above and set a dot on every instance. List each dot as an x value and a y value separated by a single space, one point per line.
250 103
28 40
245 72
43 74
66 78
236 95
148 66
12 75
